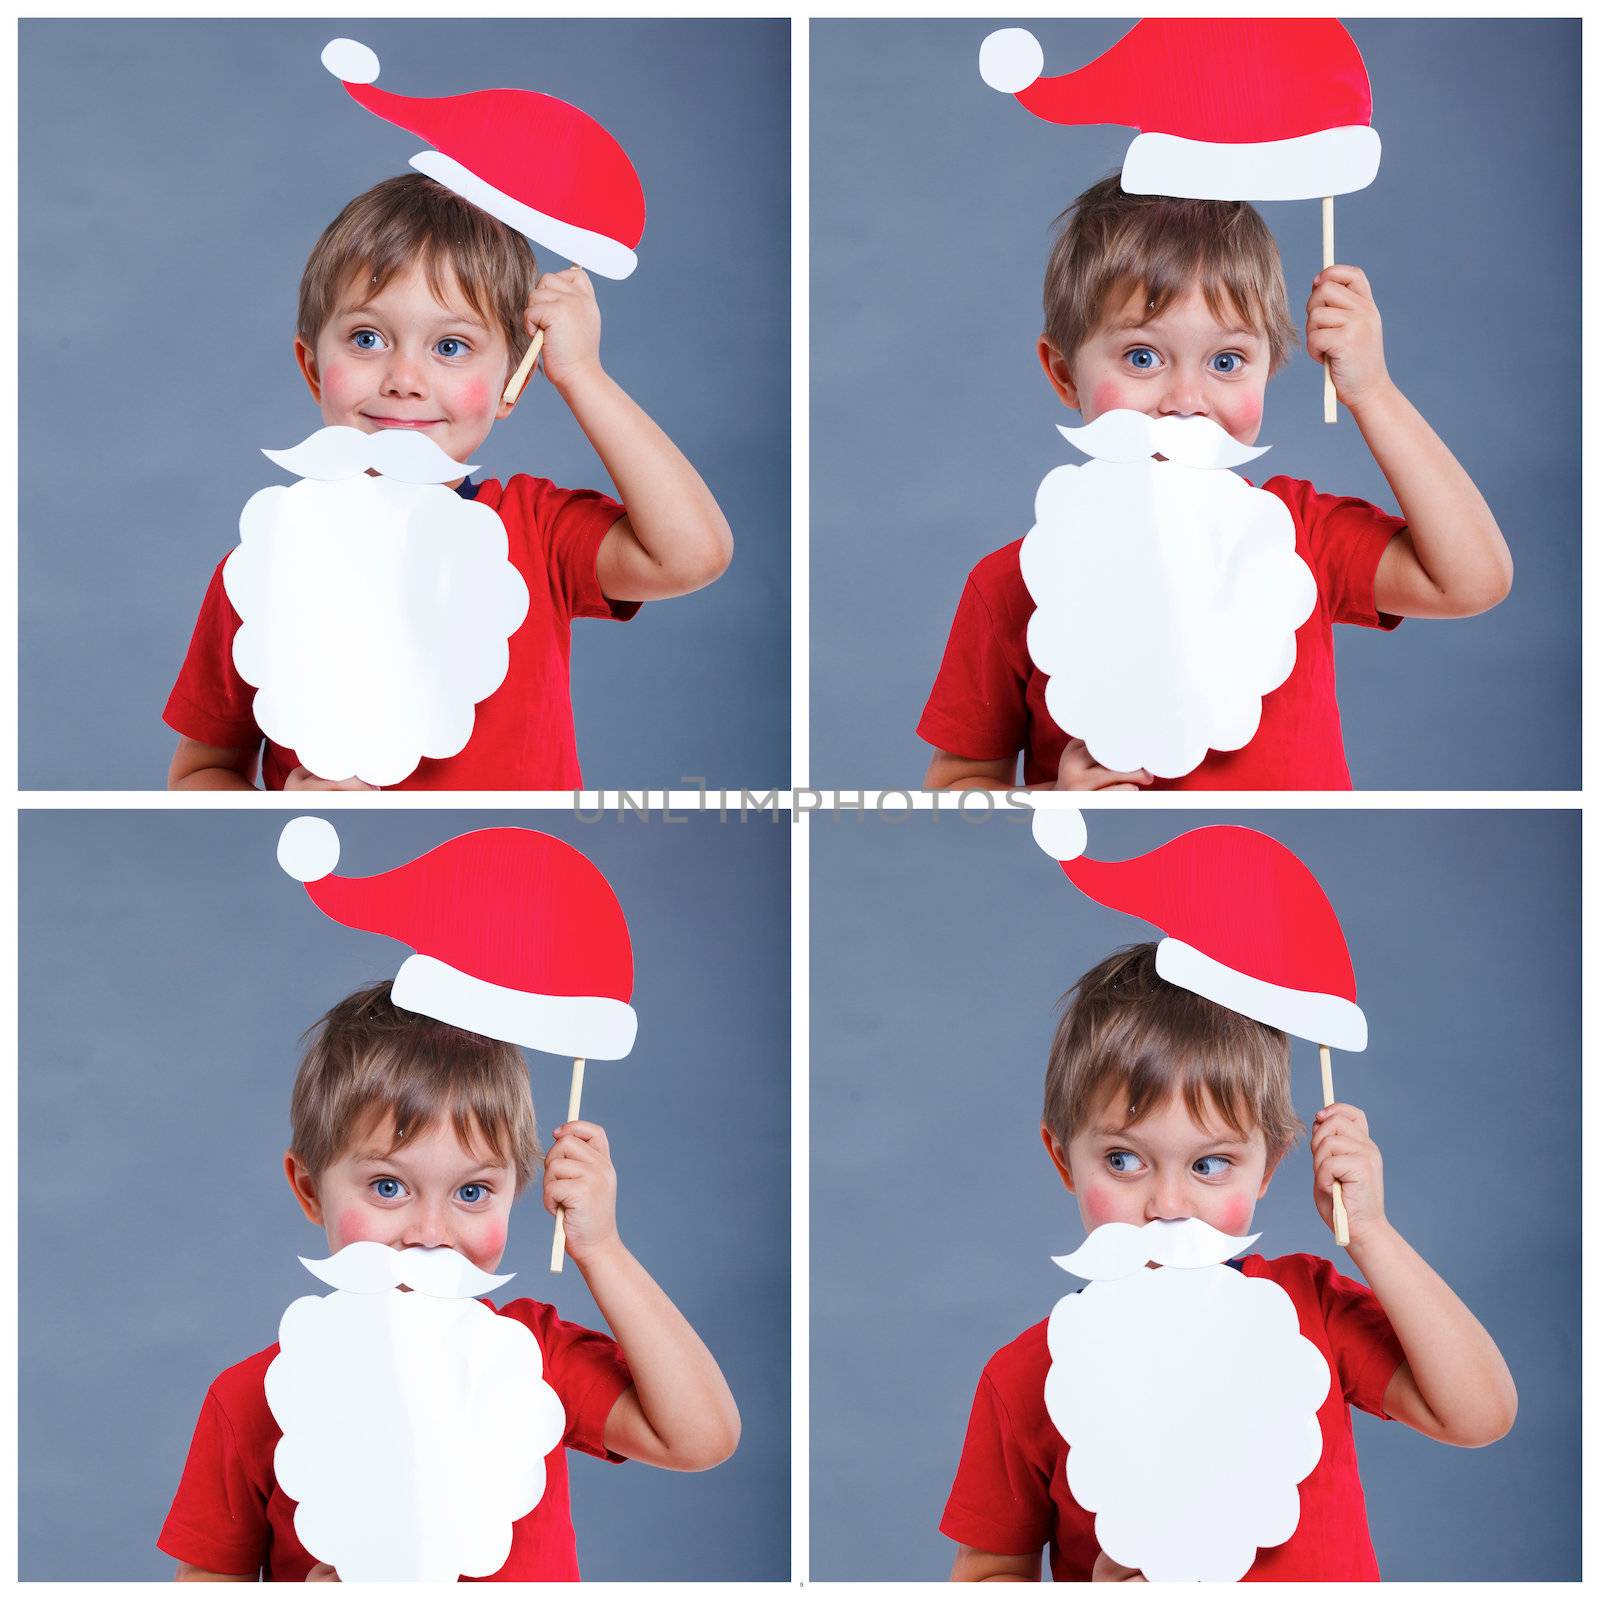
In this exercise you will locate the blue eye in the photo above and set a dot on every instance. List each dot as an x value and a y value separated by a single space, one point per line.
451 347
1142 358
366 339
388 1188
1123 1161
472 1193
1228 362
1206 1170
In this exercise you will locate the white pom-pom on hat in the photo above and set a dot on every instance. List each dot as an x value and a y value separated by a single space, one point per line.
1060 832
1010 59
350 61
308 848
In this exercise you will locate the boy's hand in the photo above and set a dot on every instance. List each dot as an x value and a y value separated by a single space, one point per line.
1108 1571
1345 332
322 1573
303 778
563 304
579 1177
1079 770
1341 1148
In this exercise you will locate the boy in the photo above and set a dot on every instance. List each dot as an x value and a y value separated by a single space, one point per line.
1178 308
415 308
1161 1104
409 1131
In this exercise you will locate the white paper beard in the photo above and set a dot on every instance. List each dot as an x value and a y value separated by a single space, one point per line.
1168 598
415 1429
375 615
1188 1398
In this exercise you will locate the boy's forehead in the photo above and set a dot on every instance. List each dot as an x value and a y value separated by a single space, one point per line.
361 294
377 1136
1128 309
1114 1113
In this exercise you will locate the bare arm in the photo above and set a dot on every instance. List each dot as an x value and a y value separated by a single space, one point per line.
674 538
212 766
1454 1384
189 1574
1452 560
1077 769
981 1566
679 1412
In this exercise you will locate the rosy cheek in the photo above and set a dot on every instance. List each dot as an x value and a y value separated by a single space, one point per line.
1100 1203
341 387
358 1222
1107 396
1236 1214
474 395
484 1242
1245 415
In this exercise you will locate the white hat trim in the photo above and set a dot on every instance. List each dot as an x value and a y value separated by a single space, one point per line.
593 1026
1322 1018
1334 161
594 252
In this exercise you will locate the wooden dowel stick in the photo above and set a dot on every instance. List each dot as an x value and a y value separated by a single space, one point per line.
1341 1222
524 371
558 1245
1330 403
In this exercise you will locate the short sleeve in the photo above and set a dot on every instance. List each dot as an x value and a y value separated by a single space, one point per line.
585 1368
1365 1347
210 702
1346 539
1000 1500
572 524
978 707
218 1520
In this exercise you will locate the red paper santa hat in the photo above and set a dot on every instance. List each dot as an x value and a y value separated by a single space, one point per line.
517 935
1242 108
540 165
1246 923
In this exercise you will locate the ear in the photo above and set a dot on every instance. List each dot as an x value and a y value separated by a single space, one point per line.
1267 1176
1058 1157
306 359
1057 371
304 1186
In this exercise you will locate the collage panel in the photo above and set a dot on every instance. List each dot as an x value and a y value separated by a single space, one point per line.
942 951
967 317
617 189
173 976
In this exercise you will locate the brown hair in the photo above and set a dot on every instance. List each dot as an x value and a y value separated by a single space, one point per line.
367 1057
1113 245
413 218
1124 1027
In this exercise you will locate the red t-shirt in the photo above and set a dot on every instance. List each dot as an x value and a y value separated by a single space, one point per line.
1010 1496
522 736
229 1514
988 700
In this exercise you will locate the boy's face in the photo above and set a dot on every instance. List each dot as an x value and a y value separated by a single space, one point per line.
1184 362
433 1191
402 359
1165 1167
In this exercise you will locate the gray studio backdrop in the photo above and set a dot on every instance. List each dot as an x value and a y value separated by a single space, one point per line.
932 199
169 967
174 176
939 949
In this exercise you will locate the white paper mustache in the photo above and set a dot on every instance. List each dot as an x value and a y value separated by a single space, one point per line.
399 453
1119 1249
368 1267
1132 436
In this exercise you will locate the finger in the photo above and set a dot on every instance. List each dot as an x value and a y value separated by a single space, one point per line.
1342 1108
1341 272
589 1132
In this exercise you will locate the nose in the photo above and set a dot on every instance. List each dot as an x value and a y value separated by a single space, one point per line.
425 1226
1185 395
402 376
1166 1201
